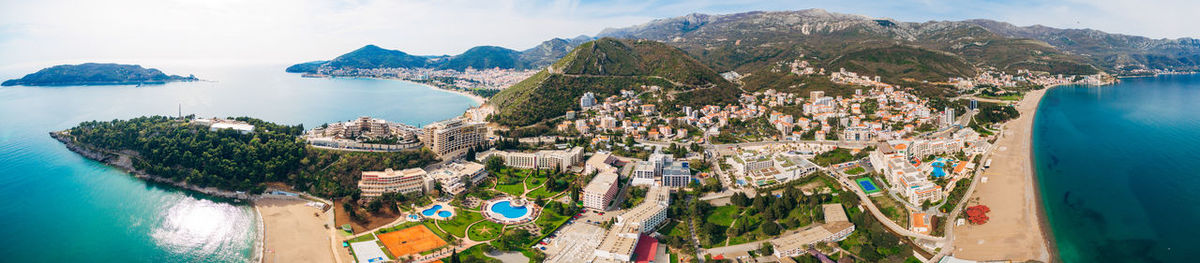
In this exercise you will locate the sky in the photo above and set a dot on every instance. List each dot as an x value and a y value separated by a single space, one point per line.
36 34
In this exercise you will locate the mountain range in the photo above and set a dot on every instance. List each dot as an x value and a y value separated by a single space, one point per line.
95 74
480 57
605 67
684 54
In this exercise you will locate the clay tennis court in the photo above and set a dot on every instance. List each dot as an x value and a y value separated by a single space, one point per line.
411 241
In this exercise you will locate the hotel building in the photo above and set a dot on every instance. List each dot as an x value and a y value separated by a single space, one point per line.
454 137
603 188
548 159
836 228
375 183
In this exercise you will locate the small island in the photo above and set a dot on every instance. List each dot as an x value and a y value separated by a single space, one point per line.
96 74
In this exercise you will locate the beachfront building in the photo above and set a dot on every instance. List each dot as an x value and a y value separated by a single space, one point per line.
454 137
545 159
365 134
836 228
458 176
375 183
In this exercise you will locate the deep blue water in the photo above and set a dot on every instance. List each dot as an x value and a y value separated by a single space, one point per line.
1118 169
60 207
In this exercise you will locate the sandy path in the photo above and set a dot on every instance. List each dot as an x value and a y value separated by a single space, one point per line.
294 232
1014 231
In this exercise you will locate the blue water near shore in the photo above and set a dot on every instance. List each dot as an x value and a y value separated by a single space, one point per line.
60 207
1117 169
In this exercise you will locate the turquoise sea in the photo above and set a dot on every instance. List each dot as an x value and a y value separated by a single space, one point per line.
1119 169
60 207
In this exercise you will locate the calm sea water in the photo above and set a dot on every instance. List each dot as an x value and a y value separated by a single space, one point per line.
60 207
1119 169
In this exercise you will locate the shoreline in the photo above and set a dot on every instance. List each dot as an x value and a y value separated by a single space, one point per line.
476 98
1043 218
1011 192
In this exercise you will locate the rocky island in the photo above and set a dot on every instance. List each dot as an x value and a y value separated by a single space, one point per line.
96 74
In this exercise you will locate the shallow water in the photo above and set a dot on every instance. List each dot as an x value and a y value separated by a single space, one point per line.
60 207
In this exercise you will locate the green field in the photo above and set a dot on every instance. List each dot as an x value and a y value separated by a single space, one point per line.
457 225
722 215
484 230
512 189
436 231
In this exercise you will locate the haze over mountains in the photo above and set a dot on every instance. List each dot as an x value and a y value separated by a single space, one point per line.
480 57
746 42
684 53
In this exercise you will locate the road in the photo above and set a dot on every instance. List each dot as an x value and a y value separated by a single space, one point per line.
879 215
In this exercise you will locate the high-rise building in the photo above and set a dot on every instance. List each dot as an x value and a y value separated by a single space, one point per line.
948 118
588 100
454 137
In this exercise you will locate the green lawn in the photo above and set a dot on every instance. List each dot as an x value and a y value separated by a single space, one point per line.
511 189
484 230
367 237
436 231
541 192
892 209
397 227
457 225
856 171
722 215
476 254
549 220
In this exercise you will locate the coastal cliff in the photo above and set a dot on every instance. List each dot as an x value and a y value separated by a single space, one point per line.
124 161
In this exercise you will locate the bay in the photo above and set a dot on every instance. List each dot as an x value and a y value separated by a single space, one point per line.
61 207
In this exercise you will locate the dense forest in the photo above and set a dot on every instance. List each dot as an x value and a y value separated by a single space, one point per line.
229 160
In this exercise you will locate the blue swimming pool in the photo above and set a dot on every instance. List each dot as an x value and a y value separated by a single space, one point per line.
506 209
444 213
431 210
939 169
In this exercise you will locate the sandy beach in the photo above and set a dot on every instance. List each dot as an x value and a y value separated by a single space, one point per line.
294 232
1014 231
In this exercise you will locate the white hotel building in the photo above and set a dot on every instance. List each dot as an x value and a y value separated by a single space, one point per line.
547 159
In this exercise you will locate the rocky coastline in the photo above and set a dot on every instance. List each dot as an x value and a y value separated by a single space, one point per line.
124 162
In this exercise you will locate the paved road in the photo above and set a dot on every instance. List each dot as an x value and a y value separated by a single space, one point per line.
879 215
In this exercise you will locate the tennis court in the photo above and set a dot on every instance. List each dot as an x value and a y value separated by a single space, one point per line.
867 185
411 240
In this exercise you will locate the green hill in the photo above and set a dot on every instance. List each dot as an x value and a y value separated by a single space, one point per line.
485 57
95 74
605 67
372 56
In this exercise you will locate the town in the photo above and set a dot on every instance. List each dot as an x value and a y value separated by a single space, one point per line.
776 177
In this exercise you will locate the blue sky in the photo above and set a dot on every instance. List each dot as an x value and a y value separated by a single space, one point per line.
36 34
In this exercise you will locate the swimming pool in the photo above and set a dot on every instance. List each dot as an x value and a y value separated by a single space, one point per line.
444 213
939 167
431 210
506 209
